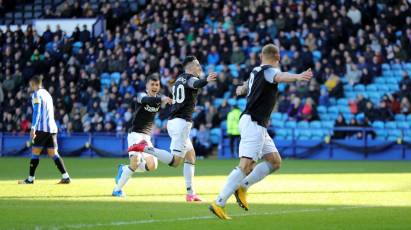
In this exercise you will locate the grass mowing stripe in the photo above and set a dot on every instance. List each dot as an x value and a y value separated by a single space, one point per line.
182 219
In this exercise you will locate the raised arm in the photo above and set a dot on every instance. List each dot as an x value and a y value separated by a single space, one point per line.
144 98
291 77
197 83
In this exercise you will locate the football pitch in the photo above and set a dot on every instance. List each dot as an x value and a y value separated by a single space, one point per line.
302 195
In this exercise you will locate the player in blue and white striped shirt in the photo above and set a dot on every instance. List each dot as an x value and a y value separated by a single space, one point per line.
43 131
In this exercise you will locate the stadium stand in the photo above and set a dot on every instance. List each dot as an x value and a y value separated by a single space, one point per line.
361 62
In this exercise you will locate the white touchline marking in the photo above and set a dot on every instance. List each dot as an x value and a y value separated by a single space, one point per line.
136 222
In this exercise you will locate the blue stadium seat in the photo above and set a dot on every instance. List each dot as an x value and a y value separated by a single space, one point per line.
232 101
348 116
378 125
386 66
381 133
387 73
333 109
217 102
277 123
315 125
395 132
342 101
380 138
76 47
400 117
359 87
407 66
379 81
227 95
393 87
277 116
371 87
348 88
390 125
398 74
303 124
327 124
409 117
382 87
291 124
351 95
215 135
325 116
321 109
282 132
396 66
403 125
360 116
223 125
116 77
407 135
344 109
391 80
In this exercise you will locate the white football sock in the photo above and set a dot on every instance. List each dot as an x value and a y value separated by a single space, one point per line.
65 175
233 180
127 172
31 178
260 171
163 155
188 172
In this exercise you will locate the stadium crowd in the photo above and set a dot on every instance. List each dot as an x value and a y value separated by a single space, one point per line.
342 41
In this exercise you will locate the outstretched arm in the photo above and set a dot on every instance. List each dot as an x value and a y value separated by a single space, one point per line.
197 83
290 77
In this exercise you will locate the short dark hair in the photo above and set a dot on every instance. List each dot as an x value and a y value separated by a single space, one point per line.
188 60
37 79
152 77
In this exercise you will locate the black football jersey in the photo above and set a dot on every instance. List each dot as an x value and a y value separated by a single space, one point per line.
262 94
184 97
145 112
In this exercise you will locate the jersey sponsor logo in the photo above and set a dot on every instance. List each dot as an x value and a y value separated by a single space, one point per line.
151 109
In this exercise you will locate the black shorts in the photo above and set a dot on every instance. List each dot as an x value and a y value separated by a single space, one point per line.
45 140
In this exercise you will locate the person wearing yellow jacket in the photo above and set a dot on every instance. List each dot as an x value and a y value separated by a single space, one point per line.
233 118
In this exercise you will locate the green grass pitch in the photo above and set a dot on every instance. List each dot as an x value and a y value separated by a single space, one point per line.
302 195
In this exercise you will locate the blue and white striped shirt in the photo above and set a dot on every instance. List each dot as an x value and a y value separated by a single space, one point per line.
43 112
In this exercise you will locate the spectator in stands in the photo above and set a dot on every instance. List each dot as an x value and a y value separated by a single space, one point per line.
366 77
405 106
405 80
142 44
308 111
233 119
294 112
340 123
202 142
370 112
384 113
324 99
353 75
393 103
335 86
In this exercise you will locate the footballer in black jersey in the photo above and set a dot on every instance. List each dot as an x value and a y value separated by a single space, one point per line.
255 143
185 92
146 105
